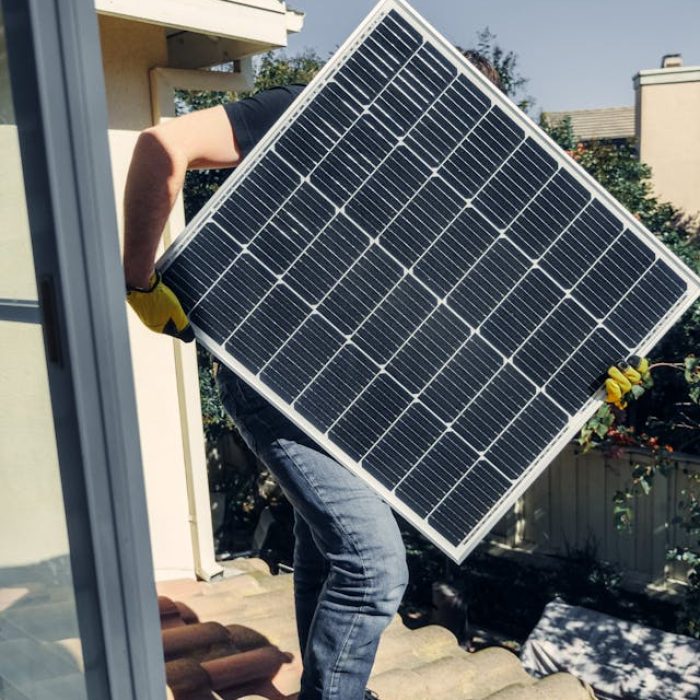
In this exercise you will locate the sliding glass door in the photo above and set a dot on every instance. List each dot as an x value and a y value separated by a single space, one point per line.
78 614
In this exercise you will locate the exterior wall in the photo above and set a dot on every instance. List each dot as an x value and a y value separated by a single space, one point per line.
571 506
129 50
668 104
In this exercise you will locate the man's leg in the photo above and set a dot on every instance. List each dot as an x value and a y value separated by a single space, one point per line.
310 574
367 574
354 530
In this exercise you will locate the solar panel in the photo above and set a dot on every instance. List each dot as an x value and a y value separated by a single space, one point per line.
419 278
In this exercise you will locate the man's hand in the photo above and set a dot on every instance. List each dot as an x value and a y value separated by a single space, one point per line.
622 377
159 309
161 157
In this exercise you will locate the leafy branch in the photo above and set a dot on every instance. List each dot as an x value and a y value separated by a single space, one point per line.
607 431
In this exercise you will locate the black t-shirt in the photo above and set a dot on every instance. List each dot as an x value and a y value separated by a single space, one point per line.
252 117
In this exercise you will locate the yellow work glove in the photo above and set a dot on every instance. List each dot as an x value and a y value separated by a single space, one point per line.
159 309
622 377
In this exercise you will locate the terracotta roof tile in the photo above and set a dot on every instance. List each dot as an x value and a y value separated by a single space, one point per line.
245 668
554 687
465 675
246 638
199 641
186 677
417 648
169 613
256 610
187 615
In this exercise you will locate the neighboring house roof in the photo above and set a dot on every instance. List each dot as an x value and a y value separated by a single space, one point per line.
251 649
595 124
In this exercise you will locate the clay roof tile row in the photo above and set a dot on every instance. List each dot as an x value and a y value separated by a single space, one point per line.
250 651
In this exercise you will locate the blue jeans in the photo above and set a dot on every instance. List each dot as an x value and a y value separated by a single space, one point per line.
349 560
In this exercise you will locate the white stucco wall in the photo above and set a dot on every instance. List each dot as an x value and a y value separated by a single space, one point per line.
668 122
129 50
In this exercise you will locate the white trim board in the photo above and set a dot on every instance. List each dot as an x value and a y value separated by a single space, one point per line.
667 76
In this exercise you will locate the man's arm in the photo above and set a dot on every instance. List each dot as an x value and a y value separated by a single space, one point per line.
202 139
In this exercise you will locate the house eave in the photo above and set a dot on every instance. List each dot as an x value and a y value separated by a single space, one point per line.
255 25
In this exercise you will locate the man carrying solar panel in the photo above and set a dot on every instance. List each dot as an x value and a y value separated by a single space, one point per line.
349 563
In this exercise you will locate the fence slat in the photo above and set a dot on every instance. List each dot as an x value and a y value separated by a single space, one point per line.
571 504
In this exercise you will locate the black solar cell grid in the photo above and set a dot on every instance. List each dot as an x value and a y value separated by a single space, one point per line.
410 269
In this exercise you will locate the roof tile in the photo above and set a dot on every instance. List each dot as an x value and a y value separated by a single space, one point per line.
595 124
257 612
554 687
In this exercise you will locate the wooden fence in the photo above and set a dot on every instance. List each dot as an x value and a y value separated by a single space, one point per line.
571 506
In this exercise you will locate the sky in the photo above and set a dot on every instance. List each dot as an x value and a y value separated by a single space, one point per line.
577 54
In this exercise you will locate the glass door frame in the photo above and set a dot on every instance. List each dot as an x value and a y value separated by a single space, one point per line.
60 107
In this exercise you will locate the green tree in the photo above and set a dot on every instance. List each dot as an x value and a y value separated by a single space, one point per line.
506 63
562 133
276 69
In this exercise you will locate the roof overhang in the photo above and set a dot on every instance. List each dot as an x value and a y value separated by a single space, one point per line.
660 76
229 28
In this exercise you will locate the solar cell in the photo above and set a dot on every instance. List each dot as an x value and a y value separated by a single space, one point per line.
413 272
